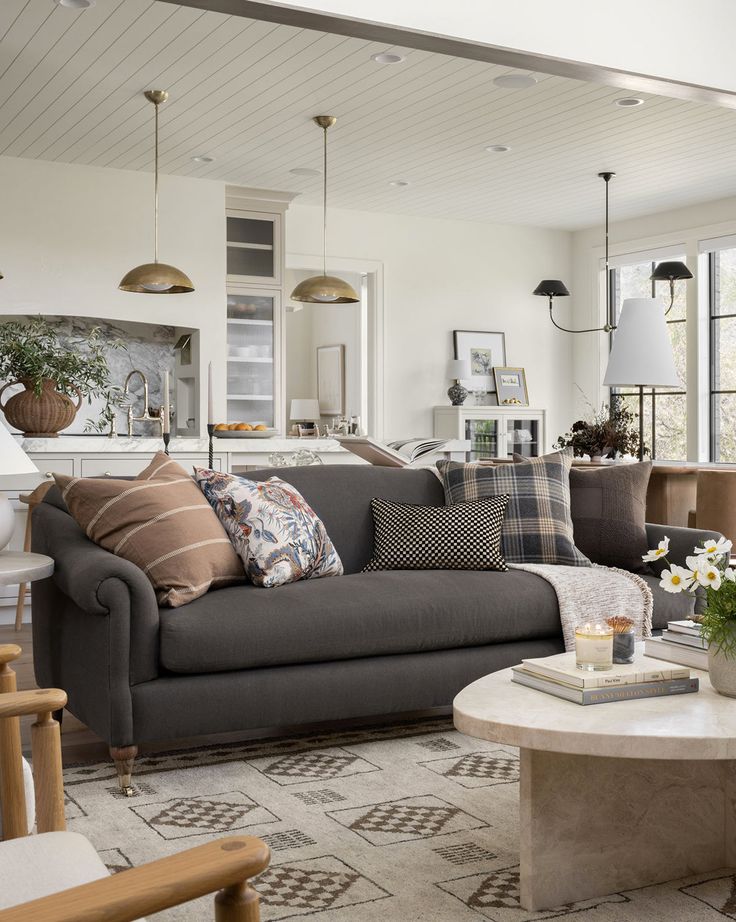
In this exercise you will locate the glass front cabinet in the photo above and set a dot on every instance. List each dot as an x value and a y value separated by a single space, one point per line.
493 432
255 273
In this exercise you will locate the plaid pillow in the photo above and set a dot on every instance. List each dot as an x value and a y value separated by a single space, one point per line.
537 527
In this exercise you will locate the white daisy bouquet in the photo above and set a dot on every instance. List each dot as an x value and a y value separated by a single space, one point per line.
707 573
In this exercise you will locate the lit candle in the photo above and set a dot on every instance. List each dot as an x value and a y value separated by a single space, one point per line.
166 420
210 400
594 646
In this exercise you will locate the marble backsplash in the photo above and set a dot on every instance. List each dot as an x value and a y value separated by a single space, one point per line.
146 346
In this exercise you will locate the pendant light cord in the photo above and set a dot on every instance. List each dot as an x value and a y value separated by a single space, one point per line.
607 179
155 188
324 207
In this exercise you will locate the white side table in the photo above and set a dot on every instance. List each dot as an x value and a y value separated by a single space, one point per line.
23 567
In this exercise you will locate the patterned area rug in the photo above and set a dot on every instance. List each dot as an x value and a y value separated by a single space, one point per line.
414 823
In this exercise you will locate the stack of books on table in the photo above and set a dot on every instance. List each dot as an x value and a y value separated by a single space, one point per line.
644 678
680 643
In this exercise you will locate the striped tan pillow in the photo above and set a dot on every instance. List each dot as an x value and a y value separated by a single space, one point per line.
161 522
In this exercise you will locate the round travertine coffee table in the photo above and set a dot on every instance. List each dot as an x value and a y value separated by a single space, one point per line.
612 796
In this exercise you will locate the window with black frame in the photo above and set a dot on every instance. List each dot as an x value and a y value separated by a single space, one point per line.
722 322
665 411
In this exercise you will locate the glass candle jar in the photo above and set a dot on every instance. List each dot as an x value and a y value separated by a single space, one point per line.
624 638
594 646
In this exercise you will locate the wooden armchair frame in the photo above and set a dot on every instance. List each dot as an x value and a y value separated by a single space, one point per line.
225 865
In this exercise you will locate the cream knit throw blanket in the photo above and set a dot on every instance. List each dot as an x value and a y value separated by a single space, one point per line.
585 593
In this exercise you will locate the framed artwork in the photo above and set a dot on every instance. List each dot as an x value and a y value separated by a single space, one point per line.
511 386
331 380
482 350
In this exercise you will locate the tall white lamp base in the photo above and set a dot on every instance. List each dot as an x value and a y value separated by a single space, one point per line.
7 521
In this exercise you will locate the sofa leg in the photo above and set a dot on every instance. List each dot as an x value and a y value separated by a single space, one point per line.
123 757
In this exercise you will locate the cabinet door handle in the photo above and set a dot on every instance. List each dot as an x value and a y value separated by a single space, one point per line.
48 475
108 474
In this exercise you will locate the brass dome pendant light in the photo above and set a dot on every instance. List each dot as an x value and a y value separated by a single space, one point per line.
156 278
324 289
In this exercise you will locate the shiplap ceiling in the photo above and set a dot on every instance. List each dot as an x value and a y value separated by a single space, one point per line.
243 91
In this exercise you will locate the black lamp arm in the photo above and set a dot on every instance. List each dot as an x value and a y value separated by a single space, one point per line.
607 328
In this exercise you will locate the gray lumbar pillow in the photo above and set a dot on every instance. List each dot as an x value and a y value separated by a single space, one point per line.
538 526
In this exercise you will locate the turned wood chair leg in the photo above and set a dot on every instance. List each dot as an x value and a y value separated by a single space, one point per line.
23 586
238 903
123 757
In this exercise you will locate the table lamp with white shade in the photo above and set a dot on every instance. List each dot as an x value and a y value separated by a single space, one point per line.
641 354
304 410
13 461
458 369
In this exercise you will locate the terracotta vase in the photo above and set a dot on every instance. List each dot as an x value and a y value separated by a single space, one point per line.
40 417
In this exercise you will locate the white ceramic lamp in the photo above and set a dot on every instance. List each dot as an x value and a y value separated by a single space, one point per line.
13 461
304 410
641 354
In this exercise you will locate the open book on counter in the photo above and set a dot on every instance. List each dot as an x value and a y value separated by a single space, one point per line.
404 452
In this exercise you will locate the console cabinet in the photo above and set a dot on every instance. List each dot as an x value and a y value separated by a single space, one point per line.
494 432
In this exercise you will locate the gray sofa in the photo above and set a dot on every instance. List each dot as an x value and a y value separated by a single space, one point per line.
241 658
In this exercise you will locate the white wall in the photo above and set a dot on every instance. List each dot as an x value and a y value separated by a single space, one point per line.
673 39
69 233
321 325
443 275
682 228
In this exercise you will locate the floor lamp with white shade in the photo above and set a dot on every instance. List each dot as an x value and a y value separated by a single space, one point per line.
13 461
641 354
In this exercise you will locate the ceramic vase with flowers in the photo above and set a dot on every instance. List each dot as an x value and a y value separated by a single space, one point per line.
708 573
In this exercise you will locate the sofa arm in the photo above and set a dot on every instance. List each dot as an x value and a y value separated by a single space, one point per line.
682 541
95 625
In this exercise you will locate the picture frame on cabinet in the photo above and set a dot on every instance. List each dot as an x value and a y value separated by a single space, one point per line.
483 350
511 386
331 380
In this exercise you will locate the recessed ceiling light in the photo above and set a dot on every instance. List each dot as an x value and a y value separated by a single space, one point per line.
202 158
498 148
304 171
628 102
515 81
76 4
387 57
399 183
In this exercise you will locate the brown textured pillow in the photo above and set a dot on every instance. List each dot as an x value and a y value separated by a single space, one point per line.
161 522
608 509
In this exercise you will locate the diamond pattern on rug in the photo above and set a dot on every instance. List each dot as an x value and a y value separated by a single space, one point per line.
464 853
406 819
325 796
477 769
204 814
312 886
72 810
115 861
719 893
439 745
495 896
289 838
138 789
324 765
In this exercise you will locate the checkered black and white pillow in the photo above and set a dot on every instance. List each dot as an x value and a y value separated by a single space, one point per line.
537 527
466 536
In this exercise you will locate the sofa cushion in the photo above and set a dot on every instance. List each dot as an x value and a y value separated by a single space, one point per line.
466 536
537 527
160 522
272 527
365 614
341 496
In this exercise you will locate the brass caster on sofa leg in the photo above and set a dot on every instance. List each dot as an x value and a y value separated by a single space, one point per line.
123 757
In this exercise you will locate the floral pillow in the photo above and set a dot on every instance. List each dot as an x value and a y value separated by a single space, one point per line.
274 530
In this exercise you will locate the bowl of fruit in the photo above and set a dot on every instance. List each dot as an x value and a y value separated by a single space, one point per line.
243 431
